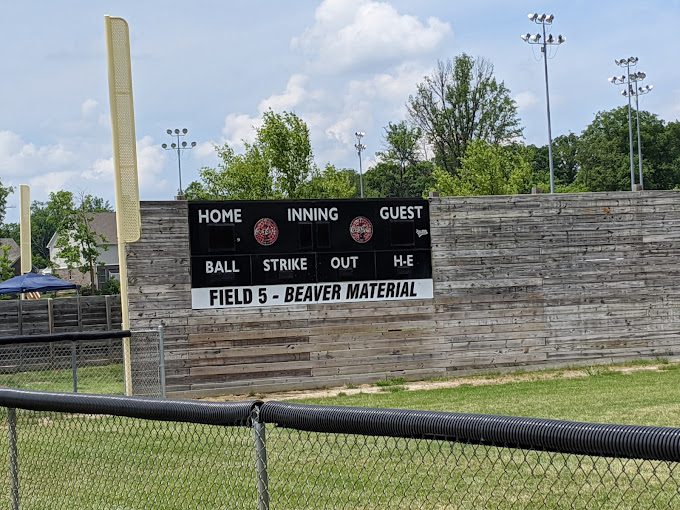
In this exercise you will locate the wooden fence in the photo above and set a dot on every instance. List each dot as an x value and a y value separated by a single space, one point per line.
80 313
530 281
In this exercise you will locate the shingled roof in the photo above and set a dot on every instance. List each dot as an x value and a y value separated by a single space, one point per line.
14 250
104 223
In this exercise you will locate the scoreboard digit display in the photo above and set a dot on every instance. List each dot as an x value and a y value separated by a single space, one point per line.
266 253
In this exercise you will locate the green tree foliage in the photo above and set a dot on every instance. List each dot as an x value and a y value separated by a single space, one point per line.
277 165
599 159
401 172
330 183
284 142
6 268
5 191
77 241
487 169
10 230
390 180
565 160
459 102
237 177
47 218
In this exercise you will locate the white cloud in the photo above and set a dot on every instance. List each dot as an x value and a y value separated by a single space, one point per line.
48 182
386 92
291 97
239 127
88 107
23 159
100 169
205 150
525 99
348 34
151 161
150 164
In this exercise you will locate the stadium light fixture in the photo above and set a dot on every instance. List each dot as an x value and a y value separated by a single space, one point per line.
545 41
360 147
179 146
626 79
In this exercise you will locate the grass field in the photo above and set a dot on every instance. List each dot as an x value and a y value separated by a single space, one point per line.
638 393
107 379
104 462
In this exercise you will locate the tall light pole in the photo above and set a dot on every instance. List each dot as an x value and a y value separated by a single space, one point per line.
179 147
619 80
638 91
545 41
360 147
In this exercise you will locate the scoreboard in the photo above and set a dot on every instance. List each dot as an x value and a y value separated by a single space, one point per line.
265 253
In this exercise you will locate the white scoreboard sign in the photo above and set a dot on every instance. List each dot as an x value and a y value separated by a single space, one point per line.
273 253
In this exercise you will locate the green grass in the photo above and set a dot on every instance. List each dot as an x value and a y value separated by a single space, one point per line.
643 397
71 461
107 379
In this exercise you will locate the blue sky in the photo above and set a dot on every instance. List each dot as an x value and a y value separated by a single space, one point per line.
342 65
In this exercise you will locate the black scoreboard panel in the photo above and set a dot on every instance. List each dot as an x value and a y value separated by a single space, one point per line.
257 253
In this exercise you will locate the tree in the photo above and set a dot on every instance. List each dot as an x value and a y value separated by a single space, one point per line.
400 171
77 241
276 165
4 193
565 160
487 169
47 218
284 143
330 183
604 152
10 230
388 180
237 177
459 102
6 268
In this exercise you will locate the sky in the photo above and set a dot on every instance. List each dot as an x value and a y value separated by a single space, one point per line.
214 66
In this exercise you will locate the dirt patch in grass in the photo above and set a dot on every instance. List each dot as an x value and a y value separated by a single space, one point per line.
477 380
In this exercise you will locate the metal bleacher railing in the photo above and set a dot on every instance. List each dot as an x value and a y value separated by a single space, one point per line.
86 451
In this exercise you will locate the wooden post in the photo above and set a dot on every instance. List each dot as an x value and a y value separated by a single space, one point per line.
20 322
50 323
80 312
107 302
50 315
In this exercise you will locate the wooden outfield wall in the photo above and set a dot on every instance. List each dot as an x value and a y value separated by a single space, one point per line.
520 281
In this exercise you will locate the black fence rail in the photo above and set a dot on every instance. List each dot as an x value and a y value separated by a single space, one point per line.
89 361
84 451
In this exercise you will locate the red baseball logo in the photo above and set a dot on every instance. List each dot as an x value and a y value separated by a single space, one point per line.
361 229
266 232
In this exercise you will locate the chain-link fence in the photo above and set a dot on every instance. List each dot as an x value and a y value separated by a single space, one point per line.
83 362
80 451
148 362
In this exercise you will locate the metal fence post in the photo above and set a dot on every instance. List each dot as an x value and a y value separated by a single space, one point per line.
260 461
74 365
161 358
13 458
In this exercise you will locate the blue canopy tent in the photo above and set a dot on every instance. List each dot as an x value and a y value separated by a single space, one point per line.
33 282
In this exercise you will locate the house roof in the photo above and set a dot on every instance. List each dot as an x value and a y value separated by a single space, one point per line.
14 250
103 223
